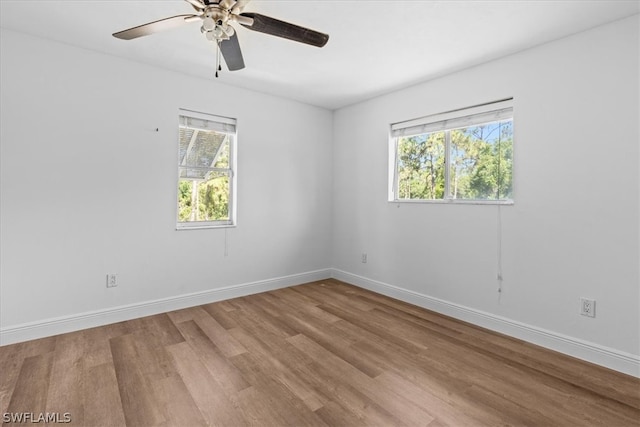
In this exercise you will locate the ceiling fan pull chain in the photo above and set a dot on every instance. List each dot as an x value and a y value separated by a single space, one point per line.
218 55
218 68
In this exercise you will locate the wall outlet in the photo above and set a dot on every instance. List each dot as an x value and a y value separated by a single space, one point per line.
111 281
588 307
364 258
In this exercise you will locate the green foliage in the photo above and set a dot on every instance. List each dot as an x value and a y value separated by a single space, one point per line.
184 200
421 166
203 188
481 164
211 199
214 199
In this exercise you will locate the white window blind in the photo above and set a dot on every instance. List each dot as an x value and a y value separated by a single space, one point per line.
472 116
206 122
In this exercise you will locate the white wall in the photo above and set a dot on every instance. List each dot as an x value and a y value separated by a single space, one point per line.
88 186
573 231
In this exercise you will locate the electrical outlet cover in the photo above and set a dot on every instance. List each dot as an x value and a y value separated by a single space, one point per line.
588 307
111 281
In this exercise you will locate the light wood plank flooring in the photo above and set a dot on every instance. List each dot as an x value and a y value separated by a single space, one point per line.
324 353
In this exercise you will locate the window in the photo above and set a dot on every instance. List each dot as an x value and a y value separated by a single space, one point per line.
462 155
206 165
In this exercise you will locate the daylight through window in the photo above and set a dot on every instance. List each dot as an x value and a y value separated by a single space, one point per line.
463 155
206 179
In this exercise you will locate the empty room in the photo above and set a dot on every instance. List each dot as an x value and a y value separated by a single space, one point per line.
331 213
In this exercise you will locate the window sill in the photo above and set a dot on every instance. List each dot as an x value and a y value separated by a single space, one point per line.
180 227
453 202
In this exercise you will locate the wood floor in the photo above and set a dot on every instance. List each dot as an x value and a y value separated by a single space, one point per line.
324 353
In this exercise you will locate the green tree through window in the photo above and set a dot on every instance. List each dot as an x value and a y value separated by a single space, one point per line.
473 162
205 173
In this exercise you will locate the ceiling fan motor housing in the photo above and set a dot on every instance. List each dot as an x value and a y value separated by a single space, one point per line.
215 23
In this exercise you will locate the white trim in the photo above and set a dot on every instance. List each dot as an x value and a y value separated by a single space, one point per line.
76 322
611 358
202 225
185 226
508 202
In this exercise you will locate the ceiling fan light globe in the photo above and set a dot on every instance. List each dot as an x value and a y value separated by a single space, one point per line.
229 30
218 32
208 23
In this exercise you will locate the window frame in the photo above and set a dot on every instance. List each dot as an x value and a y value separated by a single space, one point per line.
223 123
440 121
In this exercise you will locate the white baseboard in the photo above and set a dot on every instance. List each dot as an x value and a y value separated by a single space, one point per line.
76 322
591 352
613 359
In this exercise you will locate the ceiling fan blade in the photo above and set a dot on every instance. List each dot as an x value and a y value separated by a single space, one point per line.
275 27
239 6
196 4
153 27
231 52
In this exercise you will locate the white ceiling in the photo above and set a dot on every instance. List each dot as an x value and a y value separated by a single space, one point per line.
375 46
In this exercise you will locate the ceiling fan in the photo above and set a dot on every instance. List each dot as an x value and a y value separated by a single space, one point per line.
216 17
